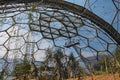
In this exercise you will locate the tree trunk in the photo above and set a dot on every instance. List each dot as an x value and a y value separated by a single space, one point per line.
91 72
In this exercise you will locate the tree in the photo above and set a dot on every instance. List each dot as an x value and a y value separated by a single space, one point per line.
103 65
63 66
117 57
2 74
59 65
117 60
54 58
72 65
22 69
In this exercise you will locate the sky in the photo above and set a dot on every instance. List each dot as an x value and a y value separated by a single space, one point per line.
104 8
99 7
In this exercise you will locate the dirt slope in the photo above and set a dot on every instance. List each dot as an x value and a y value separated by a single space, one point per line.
101 77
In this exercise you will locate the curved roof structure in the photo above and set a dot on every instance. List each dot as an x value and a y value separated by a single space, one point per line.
30 27
78 10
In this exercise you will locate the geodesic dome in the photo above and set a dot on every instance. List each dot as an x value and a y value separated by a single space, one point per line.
31 27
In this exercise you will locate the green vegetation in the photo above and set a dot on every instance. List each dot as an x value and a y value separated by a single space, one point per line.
117 56
22 69
108 64
64 67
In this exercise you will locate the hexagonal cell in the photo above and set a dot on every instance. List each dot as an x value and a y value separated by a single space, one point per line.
116 3
14 43
88 52
112 47
40 55
71 43
98 44
116 21
56 25
104 36
87 32
21 18
3 51
71 50
83 42
5 23
33 36
29 48
17 30
45 44
14 55
61 41
3 37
